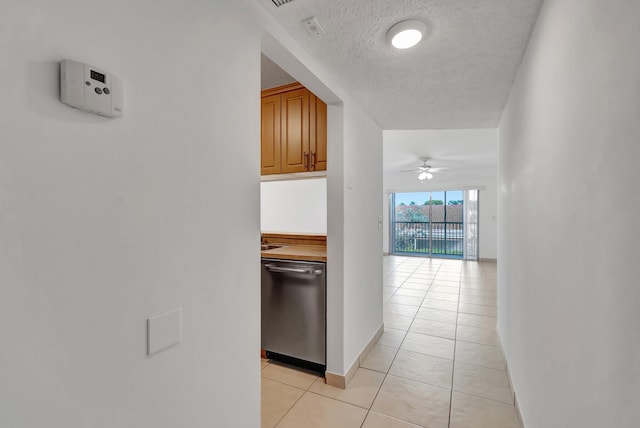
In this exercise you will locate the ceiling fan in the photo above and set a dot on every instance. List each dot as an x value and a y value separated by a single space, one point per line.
425 170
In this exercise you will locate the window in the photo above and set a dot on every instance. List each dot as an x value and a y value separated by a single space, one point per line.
435 224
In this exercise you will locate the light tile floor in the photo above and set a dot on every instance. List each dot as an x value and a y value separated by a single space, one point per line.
437 365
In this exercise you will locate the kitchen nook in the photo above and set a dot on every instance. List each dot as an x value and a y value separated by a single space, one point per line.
321 298
293 225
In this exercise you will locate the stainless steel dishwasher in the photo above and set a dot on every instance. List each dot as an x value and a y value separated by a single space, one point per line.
294 312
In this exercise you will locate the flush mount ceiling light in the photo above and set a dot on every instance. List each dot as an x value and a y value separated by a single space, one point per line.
406 34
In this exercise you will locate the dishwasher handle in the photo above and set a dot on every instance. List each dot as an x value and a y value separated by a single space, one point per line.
281 269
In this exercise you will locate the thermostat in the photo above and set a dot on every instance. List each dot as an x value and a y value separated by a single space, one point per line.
90 89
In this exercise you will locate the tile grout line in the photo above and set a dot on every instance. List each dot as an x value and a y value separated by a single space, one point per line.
455 343
386 373
455 337
299 398
414 317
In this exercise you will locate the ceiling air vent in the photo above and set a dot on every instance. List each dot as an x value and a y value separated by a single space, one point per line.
279 3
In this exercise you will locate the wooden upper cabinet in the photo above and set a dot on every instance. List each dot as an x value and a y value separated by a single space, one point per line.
318 134
294 131
270 157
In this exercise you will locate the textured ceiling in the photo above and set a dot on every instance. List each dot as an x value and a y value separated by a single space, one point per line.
458 77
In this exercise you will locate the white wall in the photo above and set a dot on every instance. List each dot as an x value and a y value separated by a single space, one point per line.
456 178
362 235
569 206
488 245
294 206
107 222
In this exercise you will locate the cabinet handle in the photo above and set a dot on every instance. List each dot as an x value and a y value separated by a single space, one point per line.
313 161
306 161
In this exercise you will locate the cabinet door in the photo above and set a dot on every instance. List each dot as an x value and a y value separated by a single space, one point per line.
318 134
270 155
295 131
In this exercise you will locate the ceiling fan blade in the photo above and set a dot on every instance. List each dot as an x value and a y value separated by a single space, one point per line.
425 167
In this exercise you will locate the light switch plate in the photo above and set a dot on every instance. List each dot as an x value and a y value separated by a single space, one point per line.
164 330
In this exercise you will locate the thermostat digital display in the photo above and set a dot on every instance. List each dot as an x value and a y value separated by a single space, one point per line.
98 76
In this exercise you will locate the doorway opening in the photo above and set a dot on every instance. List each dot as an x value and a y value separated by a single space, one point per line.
298 203
435 224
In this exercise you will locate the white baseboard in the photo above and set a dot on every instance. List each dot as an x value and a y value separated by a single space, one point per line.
513 390
341 381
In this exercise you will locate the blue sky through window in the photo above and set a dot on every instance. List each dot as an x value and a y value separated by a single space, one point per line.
421 197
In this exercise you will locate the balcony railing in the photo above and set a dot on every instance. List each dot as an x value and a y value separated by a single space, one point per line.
434 238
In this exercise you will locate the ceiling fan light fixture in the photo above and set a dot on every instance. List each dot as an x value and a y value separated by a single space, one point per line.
406 34
424 175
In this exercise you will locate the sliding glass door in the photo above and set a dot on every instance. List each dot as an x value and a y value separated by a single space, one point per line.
433 223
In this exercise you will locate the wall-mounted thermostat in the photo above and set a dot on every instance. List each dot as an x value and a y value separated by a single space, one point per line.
90 89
